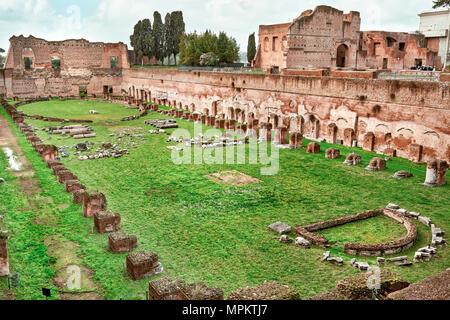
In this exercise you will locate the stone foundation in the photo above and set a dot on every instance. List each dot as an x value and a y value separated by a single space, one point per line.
332 153
120 242
143 264
93 202
313 148
106 221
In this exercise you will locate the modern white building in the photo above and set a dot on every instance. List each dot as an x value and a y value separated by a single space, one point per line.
435 26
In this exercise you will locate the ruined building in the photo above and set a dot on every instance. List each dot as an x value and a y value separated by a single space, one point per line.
328 38
406 118
63 67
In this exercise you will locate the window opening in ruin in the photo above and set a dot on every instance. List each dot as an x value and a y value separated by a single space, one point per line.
107 89
401 46
385 63
266 44
274 43
28 63
390 42
341 60
114 62
82 90
376 45
418 62
56 62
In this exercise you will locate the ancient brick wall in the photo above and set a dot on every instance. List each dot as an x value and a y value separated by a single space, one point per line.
325 37
398 113
273 42
82 63
395 51
72 53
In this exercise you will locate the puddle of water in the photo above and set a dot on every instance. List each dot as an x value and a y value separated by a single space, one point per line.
14 163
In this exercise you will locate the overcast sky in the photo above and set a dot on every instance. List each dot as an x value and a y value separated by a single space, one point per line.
113 20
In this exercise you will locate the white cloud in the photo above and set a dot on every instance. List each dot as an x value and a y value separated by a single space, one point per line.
113 20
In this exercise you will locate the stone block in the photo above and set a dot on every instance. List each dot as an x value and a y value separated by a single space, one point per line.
93 202
376 164
142 264
74 185
280 228
332 153
106 221
352 159
77 196
313 147
120 242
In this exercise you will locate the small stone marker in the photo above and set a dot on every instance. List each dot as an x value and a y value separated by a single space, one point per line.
280 228
302 242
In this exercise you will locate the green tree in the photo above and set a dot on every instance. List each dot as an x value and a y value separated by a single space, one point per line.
178 29
168 37
221 49
158 36
146 37
441 4
251 48
2 58
136 41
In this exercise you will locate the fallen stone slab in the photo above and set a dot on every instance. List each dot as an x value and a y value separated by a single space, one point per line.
403 175
398 259
280 228
392 206
302 242
425 220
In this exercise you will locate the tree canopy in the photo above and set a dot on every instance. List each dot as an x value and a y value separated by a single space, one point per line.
251 47
160 40
441 3
221 49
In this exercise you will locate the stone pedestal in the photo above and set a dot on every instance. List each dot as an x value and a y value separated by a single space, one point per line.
143 264
313 147
332 153
106 221
77 196
352 159
65 176
74 185
120 242
93 202
376 164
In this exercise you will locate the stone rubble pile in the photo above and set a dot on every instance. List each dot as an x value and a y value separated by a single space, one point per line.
361 266
336 260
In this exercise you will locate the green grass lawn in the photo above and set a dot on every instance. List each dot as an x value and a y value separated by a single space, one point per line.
204 231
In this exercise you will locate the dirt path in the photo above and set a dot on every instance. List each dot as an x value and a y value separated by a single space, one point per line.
64 252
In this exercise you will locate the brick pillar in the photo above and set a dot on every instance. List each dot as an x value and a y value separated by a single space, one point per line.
349 136
4 263
436 171
415 153
283 135
295 140
263 132
369 142
277 137
93 202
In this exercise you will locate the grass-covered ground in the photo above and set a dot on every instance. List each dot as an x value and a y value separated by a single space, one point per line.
204 231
